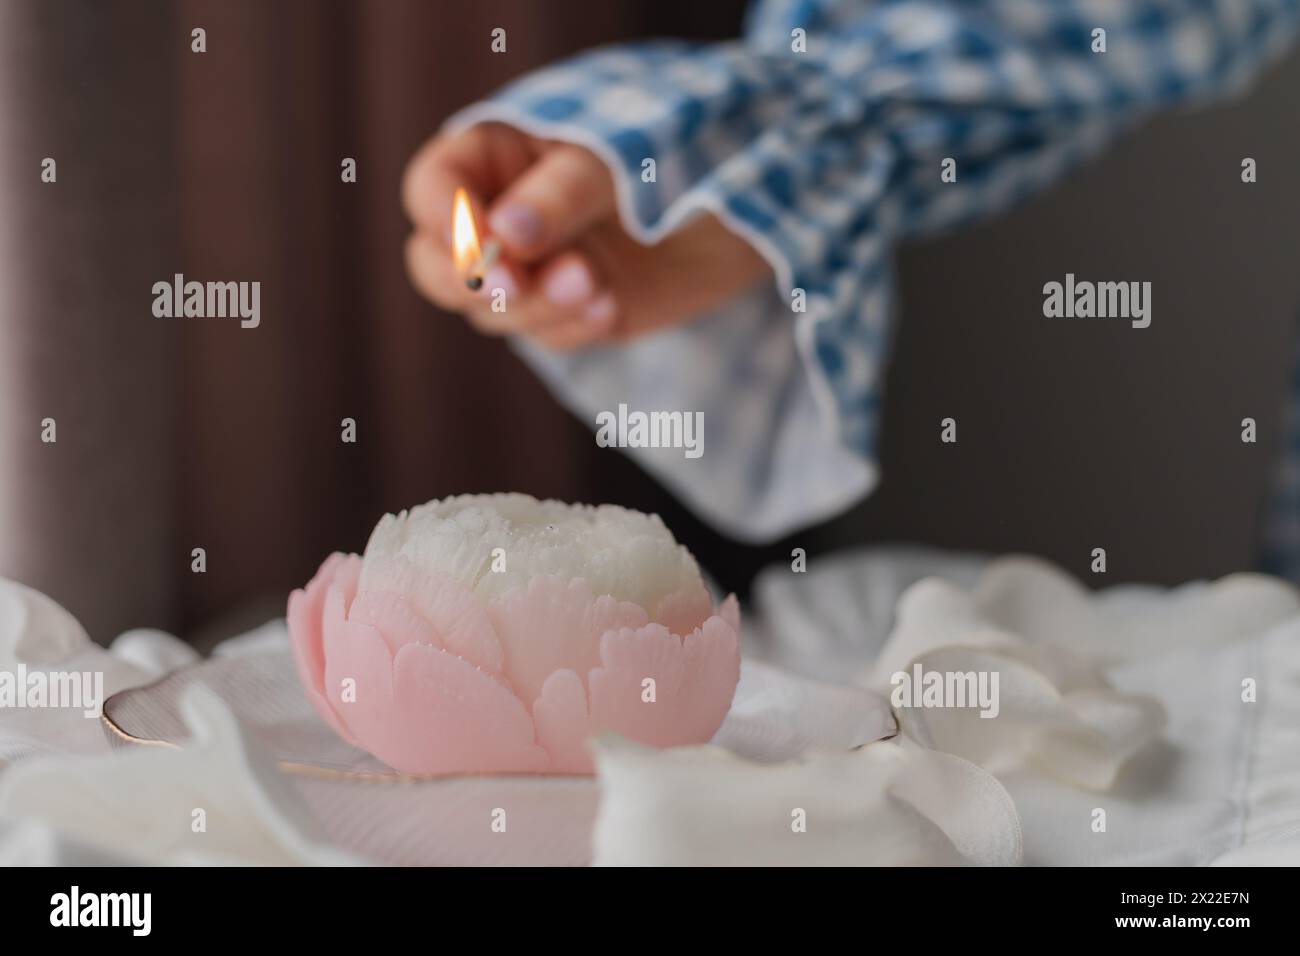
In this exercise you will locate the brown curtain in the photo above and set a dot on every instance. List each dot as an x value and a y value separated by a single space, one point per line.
225 165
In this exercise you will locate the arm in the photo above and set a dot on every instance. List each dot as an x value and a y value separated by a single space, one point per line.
823 149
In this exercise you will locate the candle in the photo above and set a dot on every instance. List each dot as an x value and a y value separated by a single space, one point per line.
499 633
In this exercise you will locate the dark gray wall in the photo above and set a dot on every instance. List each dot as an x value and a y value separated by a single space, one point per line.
1075 434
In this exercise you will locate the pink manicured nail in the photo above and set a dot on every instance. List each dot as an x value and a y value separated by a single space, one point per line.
498 278
516 224
601 312
569 284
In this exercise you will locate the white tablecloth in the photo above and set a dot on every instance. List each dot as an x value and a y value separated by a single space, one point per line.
1124 706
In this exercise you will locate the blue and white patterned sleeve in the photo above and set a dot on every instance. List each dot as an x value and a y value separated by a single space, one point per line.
819 138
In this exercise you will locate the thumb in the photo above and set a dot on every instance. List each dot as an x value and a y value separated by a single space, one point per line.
564 192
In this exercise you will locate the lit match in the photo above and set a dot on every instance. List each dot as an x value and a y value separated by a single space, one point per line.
472 260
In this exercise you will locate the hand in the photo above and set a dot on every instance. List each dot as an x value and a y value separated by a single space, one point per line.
572 276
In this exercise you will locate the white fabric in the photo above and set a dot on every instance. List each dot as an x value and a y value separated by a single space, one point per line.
79 802
219 800
1054 708
885 804
1220 783
38 633
1216 780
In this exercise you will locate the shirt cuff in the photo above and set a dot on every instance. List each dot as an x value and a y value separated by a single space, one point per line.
788 397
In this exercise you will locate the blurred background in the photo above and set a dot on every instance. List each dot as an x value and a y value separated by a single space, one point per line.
181 434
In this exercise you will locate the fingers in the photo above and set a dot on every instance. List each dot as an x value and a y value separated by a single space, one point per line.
564 304
596 324
483 159
540 287
433 275
557 198
568 281
576 306
434 174
572 287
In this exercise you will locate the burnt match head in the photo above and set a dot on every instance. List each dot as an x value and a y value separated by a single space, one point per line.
474 283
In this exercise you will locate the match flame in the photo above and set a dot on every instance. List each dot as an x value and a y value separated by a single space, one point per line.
465 250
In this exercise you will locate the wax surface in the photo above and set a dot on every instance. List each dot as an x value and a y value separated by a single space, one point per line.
428 658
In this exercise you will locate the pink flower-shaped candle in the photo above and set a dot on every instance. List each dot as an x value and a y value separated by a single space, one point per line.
497 633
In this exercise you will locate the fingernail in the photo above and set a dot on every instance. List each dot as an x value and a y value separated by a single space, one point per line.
600 312
517 224
569 284
498 278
